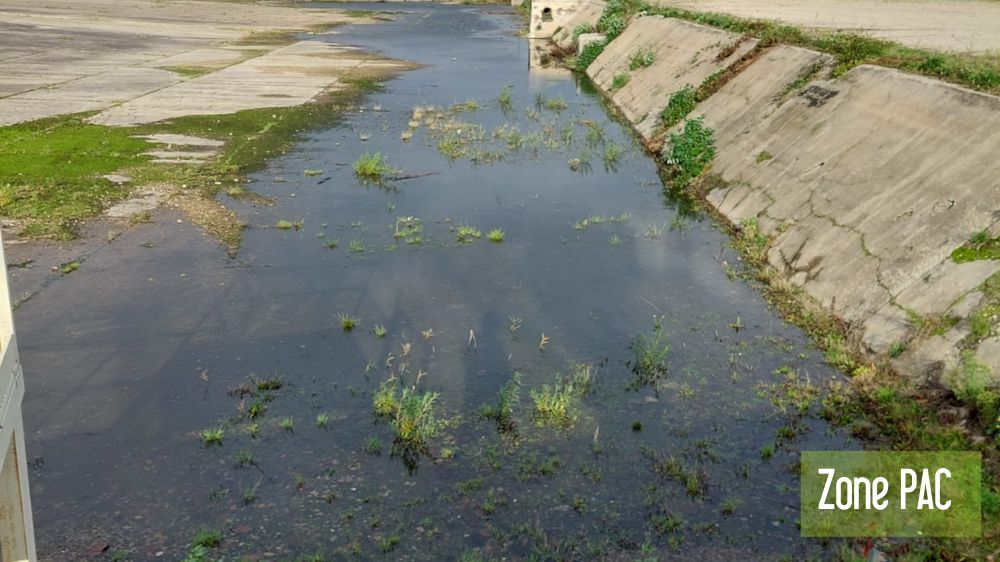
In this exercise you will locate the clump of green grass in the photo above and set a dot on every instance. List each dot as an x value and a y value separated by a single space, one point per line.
356 247
288 225
612 153
502 411
589 54
505 99
592 220
411 412
466 233
649 358
372 166
972 383
288 424
981 246
763 156
409 229
322 420
388 543
373 446
619 81
556 104
642 58
244 457
581 29
555 404
208 538
681 103
380 331
496 235
212 436
69 267
689 152
347 322
611 24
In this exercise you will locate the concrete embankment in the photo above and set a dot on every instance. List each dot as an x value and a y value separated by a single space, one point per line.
866 182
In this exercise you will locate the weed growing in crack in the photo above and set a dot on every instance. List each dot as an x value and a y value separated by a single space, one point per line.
689 152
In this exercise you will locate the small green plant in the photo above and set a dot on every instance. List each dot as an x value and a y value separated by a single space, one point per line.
642 58
332 243
505 99
372 167
373 446
380 331
384 400
589 53
502 411
681 103
288 225
612 153
409 229
322 420
411 412
69 267
764 156
581 29
288 424
495 235
244 457
619 81
347 322
555 405
208 538
637 426
689 152
611 24
212 436
649 358
466 233
729 505
356 247
972 383
556 104
767 450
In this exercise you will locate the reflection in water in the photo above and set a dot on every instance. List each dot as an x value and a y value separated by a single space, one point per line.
587 260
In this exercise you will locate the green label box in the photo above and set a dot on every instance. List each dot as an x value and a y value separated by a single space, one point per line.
891 494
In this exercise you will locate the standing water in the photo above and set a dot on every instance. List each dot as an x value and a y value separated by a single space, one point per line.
548 359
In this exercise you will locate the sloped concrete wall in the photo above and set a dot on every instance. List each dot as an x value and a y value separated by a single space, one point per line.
686 54
587 12
867 182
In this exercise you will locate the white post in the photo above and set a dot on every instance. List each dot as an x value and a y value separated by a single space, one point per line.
17 532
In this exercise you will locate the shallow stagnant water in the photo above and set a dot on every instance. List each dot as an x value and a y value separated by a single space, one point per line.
136 353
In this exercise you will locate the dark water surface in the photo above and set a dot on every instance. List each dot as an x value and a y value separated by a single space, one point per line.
132 356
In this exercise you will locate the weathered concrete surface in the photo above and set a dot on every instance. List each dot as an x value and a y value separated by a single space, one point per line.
869 188
285 77
587 12
866 182
70 56
686 54
947 25
547 16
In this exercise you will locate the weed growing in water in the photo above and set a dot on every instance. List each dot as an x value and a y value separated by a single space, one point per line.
380 331
409 229
555 404
288 225
244 457
356 247
332 243
347 322
556 104
689 152
208 538
322 420
502 412
288 424
373 167
642 58
505 99
466 233
411 412
495 235
649 358
681 103
601 219
612 153
373 446
212 436
767 450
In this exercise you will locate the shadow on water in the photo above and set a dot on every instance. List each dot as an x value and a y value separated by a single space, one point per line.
699 465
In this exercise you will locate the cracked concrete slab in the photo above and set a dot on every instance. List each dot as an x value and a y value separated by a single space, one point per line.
74 56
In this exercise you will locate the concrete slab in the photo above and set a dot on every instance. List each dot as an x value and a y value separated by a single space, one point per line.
686 54
947 25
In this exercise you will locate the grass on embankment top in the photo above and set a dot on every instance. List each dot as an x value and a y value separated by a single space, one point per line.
977 71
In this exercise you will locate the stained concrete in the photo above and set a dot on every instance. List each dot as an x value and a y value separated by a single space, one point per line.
90 55
866 182
686 54
947 25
